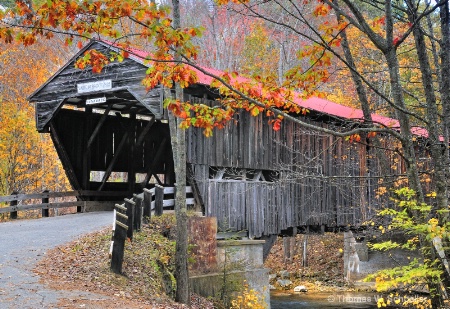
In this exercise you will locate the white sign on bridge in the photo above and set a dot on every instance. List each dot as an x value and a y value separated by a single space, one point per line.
94 86
95 100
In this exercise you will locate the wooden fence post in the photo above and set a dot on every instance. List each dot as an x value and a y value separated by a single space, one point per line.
147 212
130 205
159 200
45 200
137 212
13 214
120 235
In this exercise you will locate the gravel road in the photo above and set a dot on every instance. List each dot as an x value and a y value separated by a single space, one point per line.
24 242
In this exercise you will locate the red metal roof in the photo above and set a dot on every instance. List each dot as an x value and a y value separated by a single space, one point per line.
313 103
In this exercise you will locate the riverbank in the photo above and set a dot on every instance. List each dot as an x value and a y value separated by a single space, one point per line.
84 264
320 269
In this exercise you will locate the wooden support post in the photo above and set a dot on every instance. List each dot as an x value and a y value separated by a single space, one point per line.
147 202
137 213
144 132
159 200
64 157
158 155
45 200
120 235
130 205
195 190
131 154
13 214
113 161
98 126
87 151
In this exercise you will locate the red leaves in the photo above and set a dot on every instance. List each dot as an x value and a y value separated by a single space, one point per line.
396 41
379 21
277 125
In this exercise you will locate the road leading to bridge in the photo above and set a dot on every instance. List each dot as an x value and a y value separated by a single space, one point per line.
24 242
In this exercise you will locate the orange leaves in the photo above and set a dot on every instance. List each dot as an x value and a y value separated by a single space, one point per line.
371 134
353 138
357 138
321 10
27 159
199 115
167 73
6 34
92 58
126 9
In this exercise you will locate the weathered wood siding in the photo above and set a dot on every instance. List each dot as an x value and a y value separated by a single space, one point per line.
127 74
323 180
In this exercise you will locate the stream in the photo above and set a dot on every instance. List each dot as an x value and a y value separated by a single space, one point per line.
327 300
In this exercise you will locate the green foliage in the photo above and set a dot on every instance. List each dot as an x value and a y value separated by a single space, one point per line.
421 226
7 3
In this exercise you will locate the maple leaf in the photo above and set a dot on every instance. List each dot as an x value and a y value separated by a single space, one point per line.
254 111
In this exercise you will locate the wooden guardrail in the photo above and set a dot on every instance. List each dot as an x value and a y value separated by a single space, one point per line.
17 201
128 217
160 197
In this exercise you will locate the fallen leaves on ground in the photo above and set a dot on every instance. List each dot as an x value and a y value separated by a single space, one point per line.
84 265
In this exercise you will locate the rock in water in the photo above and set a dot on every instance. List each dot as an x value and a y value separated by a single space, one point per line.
300 288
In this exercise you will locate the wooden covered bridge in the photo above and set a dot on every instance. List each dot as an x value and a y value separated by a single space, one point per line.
247 175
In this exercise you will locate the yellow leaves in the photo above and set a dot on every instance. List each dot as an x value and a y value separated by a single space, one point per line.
255 110
381 191
432 194
248 299
381 303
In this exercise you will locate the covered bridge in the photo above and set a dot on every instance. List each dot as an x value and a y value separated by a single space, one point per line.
248 175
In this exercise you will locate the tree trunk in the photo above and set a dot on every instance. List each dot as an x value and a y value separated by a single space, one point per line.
445 77
405 127
432 116
179 150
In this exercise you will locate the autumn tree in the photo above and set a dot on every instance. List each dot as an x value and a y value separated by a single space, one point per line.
28 161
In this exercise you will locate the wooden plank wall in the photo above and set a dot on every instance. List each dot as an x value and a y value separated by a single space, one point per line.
323 180
128 73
